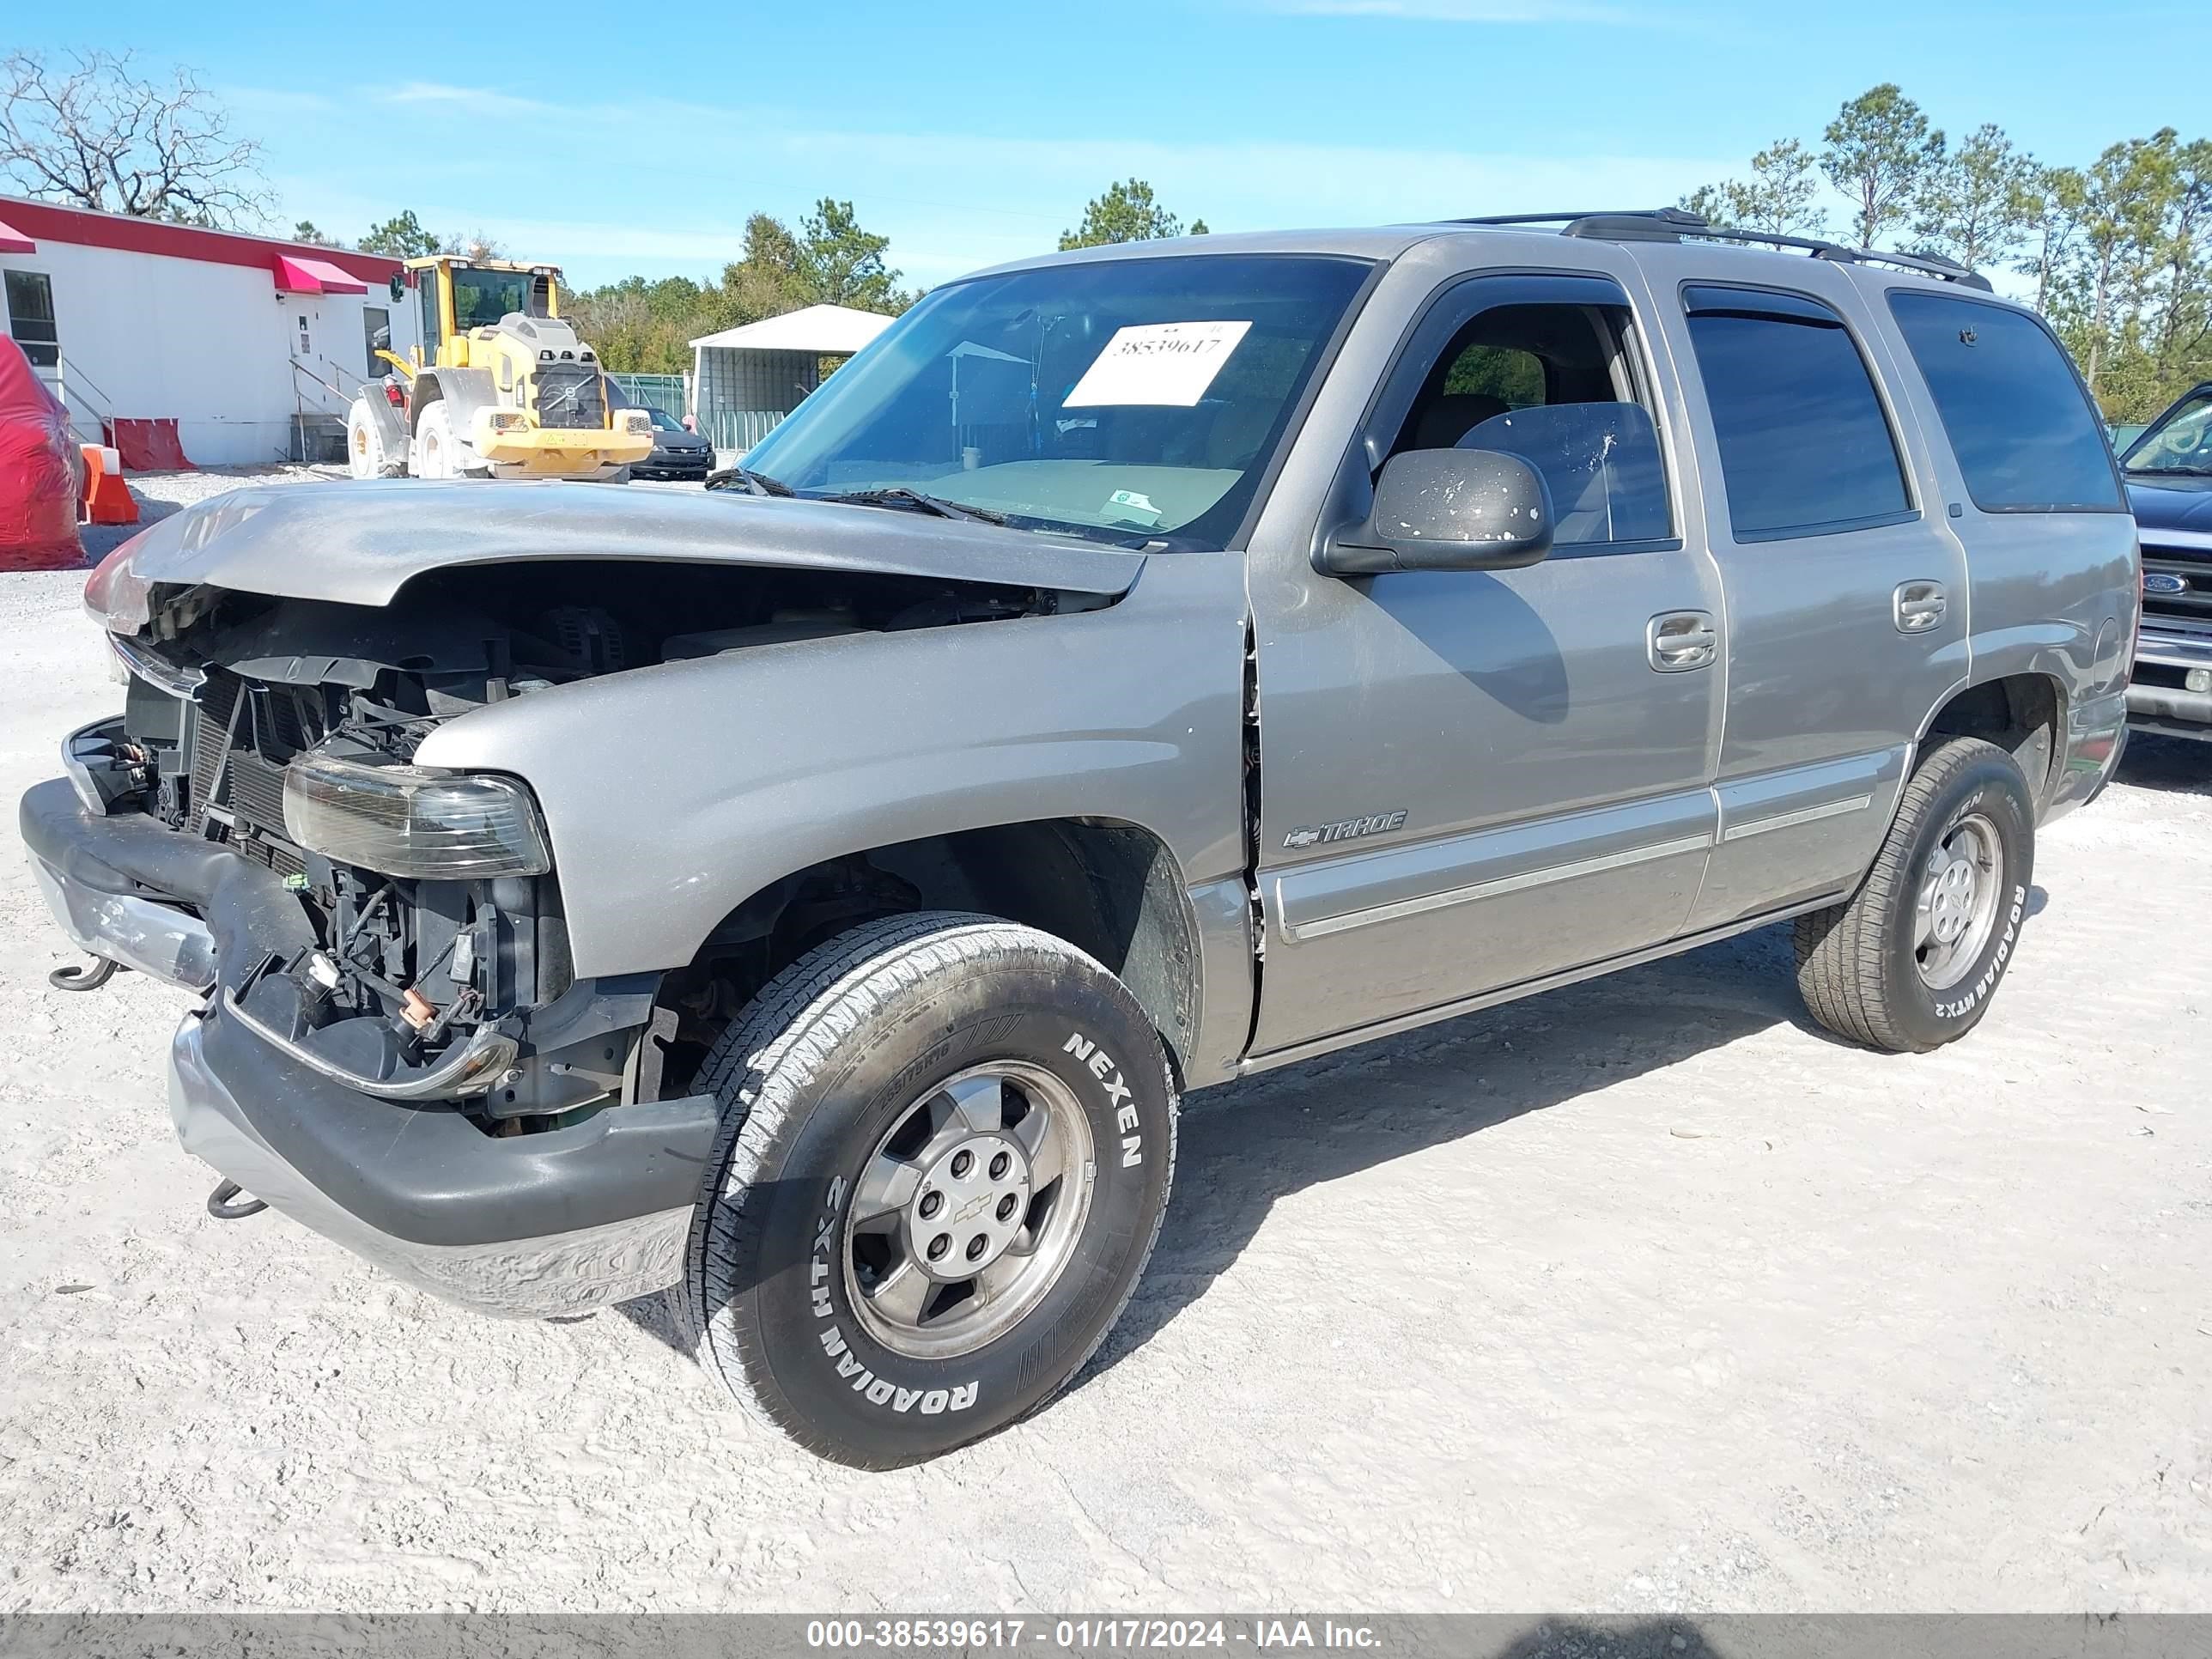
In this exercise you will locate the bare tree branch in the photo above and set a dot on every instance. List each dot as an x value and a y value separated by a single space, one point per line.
90 131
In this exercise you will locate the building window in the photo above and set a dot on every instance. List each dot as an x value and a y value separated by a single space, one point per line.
31 317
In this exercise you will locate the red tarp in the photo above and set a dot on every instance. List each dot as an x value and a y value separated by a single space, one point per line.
148 445
38 486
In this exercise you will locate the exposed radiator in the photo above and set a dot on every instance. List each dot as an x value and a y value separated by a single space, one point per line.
210 737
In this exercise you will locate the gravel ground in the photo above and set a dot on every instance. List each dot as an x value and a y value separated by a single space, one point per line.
1638 1297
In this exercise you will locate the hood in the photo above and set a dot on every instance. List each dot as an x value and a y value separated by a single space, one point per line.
2180 502
359 543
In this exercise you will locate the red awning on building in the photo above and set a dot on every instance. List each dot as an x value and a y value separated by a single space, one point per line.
297 274
13 241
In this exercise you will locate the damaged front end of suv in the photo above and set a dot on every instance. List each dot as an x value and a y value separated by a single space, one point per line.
398 1045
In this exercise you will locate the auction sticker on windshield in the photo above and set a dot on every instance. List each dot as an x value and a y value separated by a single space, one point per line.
1171 364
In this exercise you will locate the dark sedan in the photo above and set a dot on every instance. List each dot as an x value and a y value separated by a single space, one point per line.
2169 474
677 452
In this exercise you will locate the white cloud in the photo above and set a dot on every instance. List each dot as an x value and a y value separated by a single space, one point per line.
473 102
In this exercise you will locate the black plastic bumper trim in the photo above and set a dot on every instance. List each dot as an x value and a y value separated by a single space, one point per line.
423 1175
427 1176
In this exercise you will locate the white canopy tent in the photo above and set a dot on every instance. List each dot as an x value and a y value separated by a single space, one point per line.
748 379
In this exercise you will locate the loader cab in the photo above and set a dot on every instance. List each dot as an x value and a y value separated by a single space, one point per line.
458 295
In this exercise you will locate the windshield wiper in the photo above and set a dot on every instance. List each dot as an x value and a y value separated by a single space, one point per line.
899 496
2156 471
757 483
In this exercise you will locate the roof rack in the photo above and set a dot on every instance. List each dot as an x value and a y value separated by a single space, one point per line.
1670 224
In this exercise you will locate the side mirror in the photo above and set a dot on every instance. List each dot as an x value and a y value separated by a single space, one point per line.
1447 509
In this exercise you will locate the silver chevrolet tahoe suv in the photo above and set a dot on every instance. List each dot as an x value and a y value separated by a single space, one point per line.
1139 668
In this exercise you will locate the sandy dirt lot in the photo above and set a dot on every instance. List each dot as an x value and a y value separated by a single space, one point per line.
1642 1295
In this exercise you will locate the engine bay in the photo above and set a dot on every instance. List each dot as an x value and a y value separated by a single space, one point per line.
228 690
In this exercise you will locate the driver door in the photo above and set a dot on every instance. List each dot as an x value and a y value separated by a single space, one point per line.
1472 780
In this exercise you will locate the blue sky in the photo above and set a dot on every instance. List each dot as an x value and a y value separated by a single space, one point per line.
614 138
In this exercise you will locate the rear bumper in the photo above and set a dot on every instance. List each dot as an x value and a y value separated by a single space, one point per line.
556 1221
2096 735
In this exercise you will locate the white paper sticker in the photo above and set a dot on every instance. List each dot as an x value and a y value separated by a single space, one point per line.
1171 364
1133 504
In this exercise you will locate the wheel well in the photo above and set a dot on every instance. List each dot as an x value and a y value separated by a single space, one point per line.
1110 889
421 395
2022 714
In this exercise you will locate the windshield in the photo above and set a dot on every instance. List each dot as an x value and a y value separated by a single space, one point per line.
1135 399
481 298
663 420
2180 442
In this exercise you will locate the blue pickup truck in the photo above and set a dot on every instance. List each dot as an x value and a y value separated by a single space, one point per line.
2169 478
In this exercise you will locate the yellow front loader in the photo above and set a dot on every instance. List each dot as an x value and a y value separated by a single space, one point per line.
506 391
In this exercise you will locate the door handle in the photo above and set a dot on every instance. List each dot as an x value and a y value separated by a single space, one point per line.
1676 640
1916 607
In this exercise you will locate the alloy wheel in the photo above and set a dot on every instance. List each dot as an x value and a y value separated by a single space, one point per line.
968 1209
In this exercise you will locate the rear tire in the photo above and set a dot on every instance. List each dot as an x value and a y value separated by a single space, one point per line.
1911 961
364 448
887 1101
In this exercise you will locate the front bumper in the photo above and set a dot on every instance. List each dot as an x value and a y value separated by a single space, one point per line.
555 1222
2170 708
675 464
562 451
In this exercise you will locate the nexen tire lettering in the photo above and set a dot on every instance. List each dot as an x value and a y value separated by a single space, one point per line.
1995 971
1102 1067
876 1390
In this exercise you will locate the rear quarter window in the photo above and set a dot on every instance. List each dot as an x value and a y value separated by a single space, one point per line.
2016 416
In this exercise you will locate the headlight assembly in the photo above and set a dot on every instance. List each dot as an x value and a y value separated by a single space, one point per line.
406 821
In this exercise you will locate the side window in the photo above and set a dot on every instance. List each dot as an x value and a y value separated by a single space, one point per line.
426 292
1513 377
1552 384
1805 447
2017 418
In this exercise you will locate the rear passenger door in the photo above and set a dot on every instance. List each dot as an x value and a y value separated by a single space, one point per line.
1846 600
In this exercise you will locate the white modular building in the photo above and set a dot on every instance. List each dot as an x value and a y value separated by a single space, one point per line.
251 347
746 380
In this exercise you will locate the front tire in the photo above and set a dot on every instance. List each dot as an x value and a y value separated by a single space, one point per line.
1911 961
434 443
946 1149
439 452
